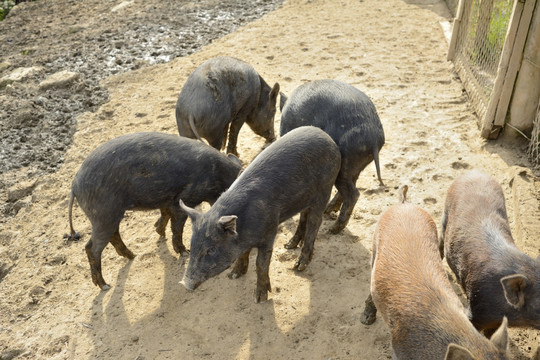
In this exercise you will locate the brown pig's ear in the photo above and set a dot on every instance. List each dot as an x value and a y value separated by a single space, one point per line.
228 224
500 337
456 352
192 213
513 286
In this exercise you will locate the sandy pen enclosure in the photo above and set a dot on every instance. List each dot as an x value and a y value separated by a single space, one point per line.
394 51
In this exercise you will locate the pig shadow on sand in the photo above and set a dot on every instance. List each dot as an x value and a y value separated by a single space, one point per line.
338 267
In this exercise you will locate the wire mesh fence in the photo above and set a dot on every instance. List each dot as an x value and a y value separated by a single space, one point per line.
482 32
534 144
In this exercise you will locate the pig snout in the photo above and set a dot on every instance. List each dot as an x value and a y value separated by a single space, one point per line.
189 283
270 136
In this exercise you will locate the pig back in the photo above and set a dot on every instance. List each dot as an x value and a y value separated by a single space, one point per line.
411 290
143 170
406 260
476 228
341 110
289 175
217 90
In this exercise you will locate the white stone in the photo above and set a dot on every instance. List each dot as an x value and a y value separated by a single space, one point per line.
122 5
59 80
19 74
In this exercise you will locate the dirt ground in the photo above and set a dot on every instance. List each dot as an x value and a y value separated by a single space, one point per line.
394 51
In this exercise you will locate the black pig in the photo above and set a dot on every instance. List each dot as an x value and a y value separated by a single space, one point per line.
350 118
225 91
145 171
294 174
498 279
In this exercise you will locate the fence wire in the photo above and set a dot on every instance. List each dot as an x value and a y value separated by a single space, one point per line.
534 144
483 28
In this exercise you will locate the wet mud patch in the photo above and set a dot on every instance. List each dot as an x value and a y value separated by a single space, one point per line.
91 40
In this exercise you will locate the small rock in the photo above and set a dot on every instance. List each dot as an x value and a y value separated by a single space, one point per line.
19 74
10 354
4 65
37 291
25 117
122 5
21 204
56 260
21 190
60 79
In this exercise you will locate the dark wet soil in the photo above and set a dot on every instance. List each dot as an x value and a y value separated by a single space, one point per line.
95 39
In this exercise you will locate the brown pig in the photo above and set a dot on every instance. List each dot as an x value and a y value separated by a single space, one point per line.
498 279
411 290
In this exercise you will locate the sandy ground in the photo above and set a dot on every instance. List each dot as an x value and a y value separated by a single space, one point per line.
393 50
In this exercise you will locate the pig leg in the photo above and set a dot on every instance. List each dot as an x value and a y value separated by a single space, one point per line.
300 232
93 251
240 266
264 255
370 312
104 230
334 204
350 195
94 247
236 124
346 186
120 247
178 219
313 222
161 223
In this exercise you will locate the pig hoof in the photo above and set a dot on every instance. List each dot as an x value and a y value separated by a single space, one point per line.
161 232
185 252
233 275
261 297
336 228
368 318
180 249
72 237
332 215
292 244
300 266
105 287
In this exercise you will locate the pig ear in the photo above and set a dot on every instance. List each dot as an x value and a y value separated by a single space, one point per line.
513 286
228 224
274 93
500 337
282 101
192 213
234 159
456 352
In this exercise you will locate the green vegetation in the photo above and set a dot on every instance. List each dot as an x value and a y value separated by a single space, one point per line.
488 30
5 7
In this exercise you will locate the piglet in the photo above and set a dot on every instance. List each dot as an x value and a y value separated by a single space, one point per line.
498 279
411 290
145 171
293 175
350 118
220 96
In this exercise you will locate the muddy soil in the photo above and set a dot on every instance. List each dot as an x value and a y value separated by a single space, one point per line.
393 50
94 39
